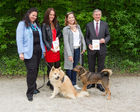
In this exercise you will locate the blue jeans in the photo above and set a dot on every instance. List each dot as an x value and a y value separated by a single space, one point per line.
70 73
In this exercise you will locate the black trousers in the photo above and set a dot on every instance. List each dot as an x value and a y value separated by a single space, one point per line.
50 65
32 66
93 58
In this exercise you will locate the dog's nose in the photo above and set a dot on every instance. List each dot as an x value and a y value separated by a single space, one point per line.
57 78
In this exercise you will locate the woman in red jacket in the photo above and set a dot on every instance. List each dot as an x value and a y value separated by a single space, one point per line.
51 34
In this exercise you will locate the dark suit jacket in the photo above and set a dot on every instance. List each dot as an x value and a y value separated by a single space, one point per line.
47 35
91 34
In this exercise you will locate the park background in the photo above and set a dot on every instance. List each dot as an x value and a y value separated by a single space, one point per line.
123 17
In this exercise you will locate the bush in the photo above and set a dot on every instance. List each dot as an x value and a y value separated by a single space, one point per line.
7 31
124 36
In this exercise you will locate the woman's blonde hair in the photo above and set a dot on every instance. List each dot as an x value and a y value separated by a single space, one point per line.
66 18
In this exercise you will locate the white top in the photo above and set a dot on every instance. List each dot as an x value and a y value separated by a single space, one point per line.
98 25
76 38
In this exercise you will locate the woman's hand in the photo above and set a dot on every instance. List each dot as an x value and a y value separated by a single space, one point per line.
53 50
44 53
83 51
21 56
70 58
57 38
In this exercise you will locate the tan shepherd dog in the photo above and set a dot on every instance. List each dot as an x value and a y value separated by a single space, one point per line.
62 84
92 78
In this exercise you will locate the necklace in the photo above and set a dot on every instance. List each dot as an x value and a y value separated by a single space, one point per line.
73 28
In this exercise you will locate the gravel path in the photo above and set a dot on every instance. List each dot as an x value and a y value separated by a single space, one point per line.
125 97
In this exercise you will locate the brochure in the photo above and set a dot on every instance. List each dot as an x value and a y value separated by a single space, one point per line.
56 45
96 44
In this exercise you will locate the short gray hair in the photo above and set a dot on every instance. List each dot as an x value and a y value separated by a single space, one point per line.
97 10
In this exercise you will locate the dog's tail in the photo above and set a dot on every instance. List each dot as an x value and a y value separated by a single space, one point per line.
107 72
82 94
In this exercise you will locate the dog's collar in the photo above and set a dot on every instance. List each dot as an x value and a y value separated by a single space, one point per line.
62 79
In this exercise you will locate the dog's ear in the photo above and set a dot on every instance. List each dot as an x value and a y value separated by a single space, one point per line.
59 68
53 68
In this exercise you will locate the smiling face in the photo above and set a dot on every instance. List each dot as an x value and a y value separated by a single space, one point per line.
33 16
51 15
97 15
71 19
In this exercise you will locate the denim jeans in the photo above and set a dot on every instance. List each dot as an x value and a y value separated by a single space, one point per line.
70 73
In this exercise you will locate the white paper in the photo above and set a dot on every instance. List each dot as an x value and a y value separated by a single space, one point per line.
96 44
56 45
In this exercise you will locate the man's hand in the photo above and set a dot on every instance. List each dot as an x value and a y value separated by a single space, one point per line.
90 47
102 40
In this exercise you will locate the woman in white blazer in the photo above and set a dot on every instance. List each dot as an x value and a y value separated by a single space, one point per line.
30 48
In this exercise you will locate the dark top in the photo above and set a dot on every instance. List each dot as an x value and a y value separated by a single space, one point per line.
37 46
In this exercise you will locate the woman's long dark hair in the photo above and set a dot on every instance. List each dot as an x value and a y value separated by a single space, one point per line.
26 17
46 17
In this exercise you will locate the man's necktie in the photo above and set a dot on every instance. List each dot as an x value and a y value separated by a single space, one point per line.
97 29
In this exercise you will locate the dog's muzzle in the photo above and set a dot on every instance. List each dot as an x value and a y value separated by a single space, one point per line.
57 78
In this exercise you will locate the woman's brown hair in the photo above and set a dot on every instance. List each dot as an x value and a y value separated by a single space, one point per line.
46 17
66 18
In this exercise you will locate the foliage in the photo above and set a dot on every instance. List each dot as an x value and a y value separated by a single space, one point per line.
122 16
6 32
121 64
124 36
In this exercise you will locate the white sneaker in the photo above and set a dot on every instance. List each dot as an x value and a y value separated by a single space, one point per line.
77 87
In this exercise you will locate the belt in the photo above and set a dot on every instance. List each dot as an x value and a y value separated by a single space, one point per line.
76 47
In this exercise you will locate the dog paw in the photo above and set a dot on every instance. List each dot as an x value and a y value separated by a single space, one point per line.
51 97
104 94
108 98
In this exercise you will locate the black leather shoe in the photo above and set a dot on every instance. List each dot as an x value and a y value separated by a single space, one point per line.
36 91
100 87
30 97
90 86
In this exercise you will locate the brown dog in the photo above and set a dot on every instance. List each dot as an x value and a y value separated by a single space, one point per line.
62 84
92 78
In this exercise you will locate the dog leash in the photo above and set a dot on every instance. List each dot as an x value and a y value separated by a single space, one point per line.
43 66
82 56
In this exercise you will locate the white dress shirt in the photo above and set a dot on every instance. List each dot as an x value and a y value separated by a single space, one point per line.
76 38
98 25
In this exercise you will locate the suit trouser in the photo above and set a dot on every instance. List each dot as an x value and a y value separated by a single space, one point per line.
32 66
92 58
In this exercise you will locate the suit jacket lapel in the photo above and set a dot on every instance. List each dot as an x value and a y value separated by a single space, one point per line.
94 31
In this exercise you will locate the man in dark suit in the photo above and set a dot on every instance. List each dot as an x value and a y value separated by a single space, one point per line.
97 30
